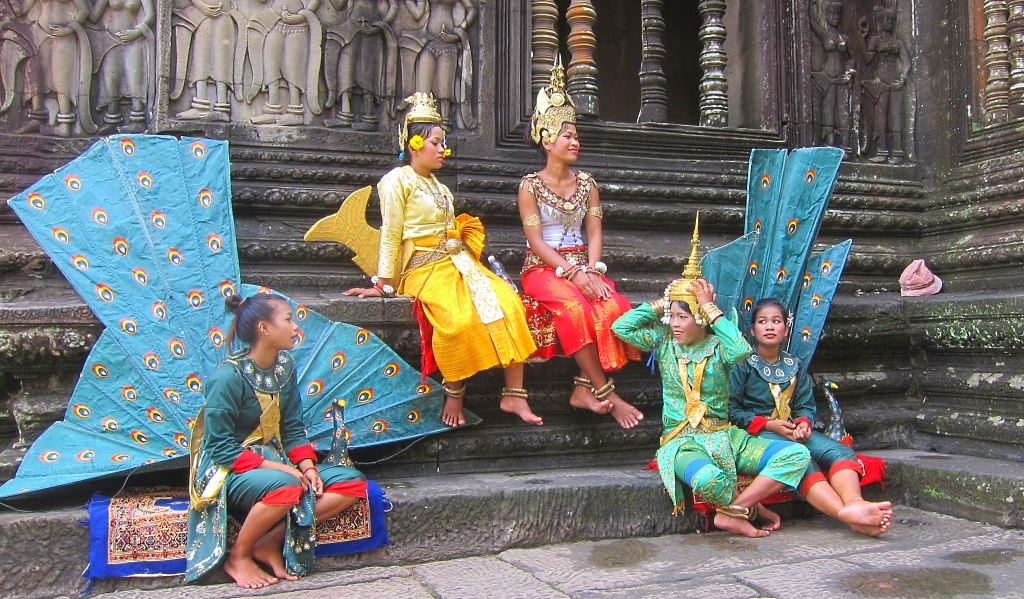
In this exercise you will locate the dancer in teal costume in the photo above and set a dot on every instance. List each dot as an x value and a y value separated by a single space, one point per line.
699 447
250 456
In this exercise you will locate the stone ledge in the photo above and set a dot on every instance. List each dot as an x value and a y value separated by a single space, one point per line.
434 518
974 488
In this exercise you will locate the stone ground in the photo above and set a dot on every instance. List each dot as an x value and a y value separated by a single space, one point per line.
925 555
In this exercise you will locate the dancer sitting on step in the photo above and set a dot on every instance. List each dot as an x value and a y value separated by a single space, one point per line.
771 397
699 447
562 271
251 458
470 319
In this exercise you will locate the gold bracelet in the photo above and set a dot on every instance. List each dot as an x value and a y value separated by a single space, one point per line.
531 220
596 211
658 306
711 312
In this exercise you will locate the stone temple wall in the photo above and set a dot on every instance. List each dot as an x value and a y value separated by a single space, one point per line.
309 95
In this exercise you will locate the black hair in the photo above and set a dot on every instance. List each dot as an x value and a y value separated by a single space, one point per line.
683 305
766 302
421 129
248 313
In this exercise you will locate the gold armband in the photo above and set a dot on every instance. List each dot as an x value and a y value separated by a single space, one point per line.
531 220
659 307
711 312
595 211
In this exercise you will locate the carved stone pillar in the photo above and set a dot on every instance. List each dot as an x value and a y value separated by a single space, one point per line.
582 73
997 61
544 42
714 88
653 97
1015 33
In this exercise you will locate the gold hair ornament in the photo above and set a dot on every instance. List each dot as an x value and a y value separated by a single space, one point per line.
554 107
679 290
422 109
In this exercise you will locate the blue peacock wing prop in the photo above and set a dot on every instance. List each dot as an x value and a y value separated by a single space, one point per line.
787 194
142 227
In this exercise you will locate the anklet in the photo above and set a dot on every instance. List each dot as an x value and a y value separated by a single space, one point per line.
606 390
738 511
515 392
580 381
453 393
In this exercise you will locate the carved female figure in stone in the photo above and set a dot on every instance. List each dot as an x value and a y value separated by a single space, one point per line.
367 62
123 54
60 63
833 81
285 45
208 50
440 48
888 53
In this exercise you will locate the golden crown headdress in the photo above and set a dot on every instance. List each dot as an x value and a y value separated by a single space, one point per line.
679 290
554 106
422 109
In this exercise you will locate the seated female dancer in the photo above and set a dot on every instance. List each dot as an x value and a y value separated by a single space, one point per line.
471 319
254 459
562 271
699 447
770 396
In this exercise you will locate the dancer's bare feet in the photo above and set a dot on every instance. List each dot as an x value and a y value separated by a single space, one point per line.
247 574
768 519
626 415
867 518
267 555
583 398
520 407
739 526
452 414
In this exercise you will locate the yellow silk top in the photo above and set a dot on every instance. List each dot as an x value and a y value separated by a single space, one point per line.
409 211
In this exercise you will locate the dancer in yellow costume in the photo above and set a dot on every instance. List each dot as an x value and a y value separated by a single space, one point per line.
470 319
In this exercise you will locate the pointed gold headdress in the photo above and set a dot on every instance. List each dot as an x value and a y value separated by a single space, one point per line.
422 109
679 290
554 107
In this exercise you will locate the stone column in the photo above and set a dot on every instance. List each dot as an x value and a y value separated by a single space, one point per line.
544 42
997 62
1015 33
714 88
653 96
582 73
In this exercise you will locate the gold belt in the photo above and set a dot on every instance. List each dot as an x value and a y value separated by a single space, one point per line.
576 255
707 425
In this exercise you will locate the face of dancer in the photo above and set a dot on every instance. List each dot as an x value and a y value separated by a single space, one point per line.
769 327
566 146
684 328
280 332
431 155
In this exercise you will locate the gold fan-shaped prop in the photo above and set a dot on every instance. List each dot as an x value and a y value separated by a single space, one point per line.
348 227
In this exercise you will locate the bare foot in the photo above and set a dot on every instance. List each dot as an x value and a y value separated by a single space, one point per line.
738 526
583 399
867 518
626 415
452 414
768 519
247 574
520 407
268 556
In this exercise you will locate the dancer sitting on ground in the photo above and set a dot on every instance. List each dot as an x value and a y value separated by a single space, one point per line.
562 271
699 447
254 459
470 319
771 397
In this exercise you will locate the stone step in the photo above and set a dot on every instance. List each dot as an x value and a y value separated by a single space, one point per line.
461 515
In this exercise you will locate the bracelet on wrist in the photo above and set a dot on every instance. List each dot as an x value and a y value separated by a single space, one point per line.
313 468
385 290
599 267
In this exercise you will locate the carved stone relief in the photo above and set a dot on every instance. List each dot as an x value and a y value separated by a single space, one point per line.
87 67
861 68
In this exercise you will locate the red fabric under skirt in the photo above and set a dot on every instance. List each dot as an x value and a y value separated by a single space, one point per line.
576 320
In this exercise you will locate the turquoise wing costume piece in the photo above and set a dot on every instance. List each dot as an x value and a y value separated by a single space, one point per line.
787 194
141 226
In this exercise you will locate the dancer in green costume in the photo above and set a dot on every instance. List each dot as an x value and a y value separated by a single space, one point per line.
699 447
